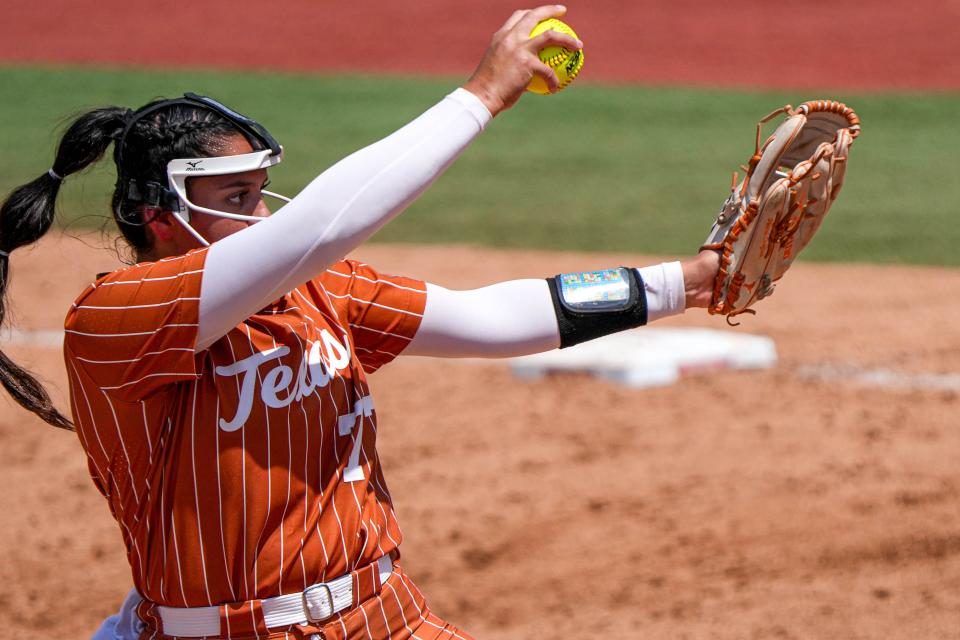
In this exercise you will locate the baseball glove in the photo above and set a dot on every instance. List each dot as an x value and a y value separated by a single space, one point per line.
772 214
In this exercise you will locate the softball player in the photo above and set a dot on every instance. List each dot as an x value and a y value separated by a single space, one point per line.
218 386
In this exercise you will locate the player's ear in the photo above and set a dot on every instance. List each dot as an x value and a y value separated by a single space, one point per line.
160 223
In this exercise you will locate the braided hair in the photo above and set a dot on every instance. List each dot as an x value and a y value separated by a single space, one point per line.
142 148
180 131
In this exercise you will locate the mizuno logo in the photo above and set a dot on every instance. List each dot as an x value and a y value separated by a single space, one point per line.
194 164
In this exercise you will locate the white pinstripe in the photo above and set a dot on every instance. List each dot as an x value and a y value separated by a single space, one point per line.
123 447
278 312
386 353
323 544
319 485
152 353
306 483
386 492
358 442
93 425
403 616
363 392
363 526
386 333
196 496
132 306
163 519
410 593
105 478
146 478
446 628
347 339
375 304
127 335
253 618
223 545
152 375
286 505
174 277
243 482
355 434
176 554
133 540
146 432
354 274
333 498
403 580
334 322
386 621
366 622
266 417
181 257
81 430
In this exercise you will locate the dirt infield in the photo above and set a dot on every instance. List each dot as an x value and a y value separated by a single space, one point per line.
570 505
817 44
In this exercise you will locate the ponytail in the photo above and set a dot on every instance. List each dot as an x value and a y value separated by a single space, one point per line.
27 214
152 136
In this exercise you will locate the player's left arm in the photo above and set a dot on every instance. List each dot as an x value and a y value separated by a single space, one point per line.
521 317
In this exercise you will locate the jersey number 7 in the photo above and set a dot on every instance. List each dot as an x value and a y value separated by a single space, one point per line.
362 408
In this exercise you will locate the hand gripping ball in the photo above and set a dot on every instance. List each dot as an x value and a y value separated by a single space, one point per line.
565 63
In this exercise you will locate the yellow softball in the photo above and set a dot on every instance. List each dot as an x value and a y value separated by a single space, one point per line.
565 63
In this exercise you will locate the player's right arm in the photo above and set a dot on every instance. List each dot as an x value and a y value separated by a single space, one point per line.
512 59
350 201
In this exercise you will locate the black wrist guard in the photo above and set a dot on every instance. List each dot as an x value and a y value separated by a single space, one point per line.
592 304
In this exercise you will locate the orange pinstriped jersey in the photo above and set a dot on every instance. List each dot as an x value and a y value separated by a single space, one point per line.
248 470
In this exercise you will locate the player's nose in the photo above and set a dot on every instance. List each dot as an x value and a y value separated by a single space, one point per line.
262 210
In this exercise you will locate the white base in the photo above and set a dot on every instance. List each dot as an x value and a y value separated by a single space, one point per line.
648 357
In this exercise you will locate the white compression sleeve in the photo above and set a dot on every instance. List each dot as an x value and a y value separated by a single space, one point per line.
506 319
663 285
334 214
517 317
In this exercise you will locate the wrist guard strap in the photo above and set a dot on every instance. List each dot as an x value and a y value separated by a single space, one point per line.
591 304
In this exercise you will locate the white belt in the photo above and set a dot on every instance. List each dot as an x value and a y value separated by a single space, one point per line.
314 604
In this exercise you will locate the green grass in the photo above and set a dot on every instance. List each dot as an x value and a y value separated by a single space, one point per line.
594 168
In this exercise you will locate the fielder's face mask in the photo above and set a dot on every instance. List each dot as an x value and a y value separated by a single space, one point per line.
173 195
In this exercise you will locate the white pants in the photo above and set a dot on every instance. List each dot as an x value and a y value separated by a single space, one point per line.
123 625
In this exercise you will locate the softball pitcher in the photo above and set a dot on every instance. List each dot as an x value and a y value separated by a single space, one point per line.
219 385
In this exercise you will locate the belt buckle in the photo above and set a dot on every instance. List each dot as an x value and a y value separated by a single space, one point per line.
318 611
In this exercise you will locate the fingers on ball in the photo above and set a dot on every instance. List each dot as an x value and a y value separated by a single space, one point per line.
512 21
551 38
538 15
549 76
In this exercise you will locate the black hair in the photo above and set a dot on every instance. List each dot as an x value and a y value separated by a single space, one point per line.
149 143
